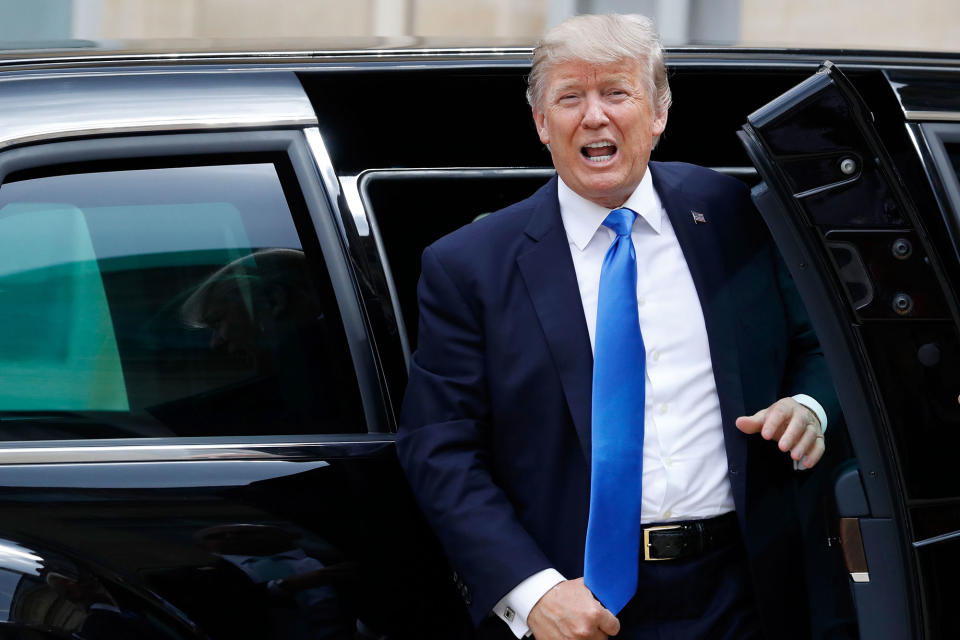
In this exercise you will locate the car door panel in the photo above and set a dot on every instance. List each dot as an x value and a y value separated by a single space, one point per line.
203 540
203 453
879 299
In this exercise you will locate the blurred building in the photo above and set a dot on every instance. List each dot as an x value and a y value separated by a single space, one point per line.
922 24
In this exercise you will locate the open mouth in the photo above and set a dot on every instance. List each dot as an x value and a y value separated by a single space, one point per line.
598 151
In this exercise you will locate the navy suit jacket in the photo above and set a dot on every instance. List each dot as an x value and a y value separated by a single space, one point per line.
495 428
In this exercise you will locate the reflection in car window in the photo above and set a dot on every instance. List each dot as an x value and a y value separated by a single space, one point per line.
165 301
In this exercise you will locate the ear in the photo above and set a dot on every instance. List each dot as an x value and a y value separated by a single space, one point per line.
540 120
659 123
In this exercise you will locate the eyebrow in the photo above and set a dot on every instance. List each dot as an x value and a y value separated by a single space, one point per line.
614 78
566 86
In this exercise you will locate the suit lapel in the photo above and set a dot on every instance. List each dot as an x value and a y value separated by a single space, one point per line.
705 255
547 270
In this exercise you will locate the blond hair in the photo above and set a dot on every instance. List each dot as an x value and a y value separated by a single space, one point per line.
602 39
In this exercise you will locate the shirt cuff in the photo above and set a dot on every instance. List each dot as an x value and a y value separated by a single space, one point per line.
514 607
814 406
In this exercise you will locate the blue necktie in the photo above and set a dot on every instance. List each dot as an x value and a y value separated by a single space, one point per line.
616 474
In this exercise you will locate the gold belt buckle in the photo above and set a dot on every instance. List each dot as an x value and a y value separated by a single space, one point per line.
646 539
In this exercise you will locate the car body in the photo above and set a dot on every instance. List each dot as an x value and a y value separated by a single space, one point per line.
208 266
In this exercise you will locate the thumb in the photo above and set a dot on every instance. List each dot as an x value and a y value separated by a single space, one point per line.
752 424
609 623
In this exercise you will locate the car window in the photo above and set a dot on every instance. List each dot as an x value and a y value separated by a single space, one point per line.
396 198
166 301
953 151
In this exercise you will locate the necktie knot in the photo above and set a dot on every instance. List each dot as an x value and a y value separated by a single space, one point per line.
621 221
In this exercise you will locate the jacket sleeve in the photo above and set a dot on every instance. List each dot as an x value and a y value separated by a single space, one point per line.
444 445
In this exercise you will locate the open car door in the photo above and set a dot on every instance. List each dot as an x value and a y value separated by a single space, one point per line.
878 295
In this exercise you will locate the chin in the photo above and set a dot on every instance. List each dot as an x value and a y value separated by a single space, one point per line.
608 190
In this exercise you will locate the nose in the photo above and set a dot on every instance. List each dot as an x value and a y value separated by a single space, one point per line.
594 115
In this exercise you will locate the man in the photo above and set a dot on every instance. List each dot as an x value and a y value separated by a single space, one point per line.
563 344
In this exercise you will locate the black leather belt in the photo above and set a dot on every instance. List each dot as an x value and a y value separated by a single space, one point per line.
689 538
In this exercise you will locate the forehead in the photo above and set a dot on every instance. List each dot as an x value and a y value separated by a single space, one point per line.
577 72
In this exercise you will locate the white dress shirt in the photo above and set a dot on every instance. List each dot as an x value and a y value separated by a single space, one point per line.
685 473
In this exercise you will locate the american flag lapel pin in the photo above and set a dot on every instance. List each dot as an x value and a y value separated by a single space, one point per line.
698 218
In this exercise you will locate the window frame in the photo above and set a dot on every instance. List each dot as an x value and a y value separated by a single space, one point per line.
940 172
365 216
292 143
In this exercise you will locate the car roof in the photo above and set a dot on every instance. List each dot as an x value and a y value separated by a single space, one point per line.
188 51
185 85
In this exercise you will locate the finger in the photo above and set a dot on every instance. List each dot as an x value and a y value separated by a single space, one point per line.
794 432
752 424
816 452
609 623
777 420
805 444
568 610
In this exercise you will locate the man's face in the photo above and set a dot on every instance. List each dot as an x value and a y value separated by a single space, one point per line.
600 125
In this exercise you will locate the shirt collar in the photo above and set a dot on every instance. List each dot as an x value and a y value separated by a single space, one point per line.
581 218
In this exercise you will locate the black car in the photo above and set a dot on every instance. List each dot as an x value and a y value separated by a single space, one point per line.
208 266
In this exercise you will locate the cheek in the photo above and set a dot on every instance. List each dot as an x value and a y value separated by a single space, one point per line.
562 125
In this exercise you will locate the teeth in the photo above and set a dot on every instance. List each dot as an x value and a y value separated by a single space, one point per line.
599 158
594 145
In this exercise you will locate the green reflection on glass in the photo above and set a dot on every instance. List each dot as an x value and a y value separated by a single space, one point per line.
58 351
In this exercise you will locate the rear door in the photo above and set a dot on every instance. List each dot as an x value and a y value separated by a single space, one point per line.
878 290
195 440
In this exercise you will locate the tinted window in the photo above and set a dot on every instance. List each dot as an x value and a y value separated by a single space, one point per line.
953 150
398 198
166 301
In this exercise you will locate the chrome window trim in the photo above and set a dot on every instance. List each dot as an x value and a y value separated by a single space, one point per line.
738 172
147 126
401 49
319 152
185 450
409 60
932 116
351 192
306 54
354 320
953 535
135 103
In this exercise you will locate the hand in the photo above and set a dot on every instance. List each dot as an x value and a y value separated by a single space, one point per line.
793 426
569 611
